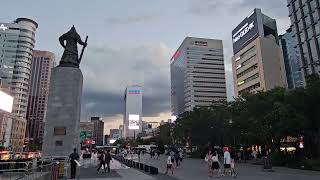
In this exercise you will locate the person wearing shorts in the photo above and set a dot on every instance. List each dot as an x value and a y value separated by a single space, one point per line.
215 163
226 161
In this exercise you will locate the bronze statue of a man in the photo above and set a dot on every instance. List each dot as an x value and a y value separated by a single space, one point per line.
70 55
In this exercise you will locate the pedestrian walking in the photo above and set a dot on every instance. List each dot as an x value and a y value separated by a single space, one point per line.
101 162
215 163
233 171
107 160
180 156
139 153
176 158
169 165
208 159
158 154
226 161
74 157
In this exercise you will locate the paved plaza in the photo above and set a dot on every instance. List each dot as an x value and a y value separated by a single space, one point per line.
192 169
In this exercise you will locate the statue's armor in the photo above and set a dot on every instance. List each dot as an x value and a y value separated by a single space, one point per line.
70 54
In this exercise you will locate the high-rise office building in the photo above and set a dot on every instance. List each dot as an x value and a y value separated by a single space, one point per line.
197 74
291 59
132 119
98 130
42 63
258 61
305 20
17 41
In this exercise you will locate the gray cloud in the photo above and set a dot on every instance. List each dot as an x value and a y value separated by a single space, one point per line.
108 71
131 19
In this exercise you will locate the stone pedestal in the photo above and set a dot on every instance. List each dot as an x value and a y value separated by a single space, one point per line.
61 131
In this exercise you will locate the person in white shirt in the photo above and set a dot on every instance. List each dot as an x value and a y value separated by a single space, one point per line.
226 161
215 163
169 165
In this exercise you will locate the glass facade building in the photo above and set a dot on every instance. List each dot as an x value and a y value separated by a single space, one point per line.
291 59
304 16
17 41
197 74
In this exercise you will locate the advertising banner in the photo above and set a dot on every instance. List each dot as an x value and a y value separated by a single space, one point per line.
134 121
245 32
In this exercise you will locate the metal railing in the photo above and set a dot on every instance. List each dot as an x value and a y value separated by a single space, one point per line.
49 168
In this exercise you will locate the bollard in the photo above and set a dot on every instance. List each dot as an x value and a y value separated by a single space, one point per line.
153 170
146 168
141 166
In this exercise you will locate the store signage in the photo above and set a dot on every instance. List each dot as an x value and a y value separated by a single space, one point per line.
242 32
245 32
200 43
133 91
3 27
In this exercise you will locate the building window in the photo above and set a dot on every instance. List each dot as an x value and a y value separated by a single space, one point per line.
308 21
315 16
59 143
313 5
305 10
310 32
302 37
313 48
300 25
317 28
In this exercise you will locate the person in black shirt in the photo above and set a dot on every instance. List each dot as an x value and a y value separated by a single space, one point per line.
107 159
73 158
102 162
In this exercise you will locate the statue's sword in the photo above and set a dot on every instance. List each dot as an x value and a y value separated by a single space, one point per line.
83 50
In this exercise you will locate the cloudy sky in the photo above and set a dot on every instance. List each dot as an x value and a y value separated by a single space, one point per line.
131 42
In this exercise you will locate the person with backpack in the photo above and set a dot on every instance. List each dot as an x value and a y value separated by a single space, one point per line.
101 162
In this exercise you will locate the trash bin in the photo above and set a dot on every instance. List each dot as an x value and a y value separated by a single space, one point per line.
267 165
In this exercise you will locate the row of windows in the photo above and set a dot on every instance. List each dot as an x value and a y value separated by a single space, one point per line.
253 77
206 91
246 62
250 88
247 70
211 68
208 82
207 72
209 96
248 52
217 87
208 77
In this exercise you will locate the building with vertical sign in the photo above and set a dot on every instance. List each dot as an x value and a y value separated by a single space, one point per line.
133 112
257 63
42 63
17 41
197 74
291 59
305 20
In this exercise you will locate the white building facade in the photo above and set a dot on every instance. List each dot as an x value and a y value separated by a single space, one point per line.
133 112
